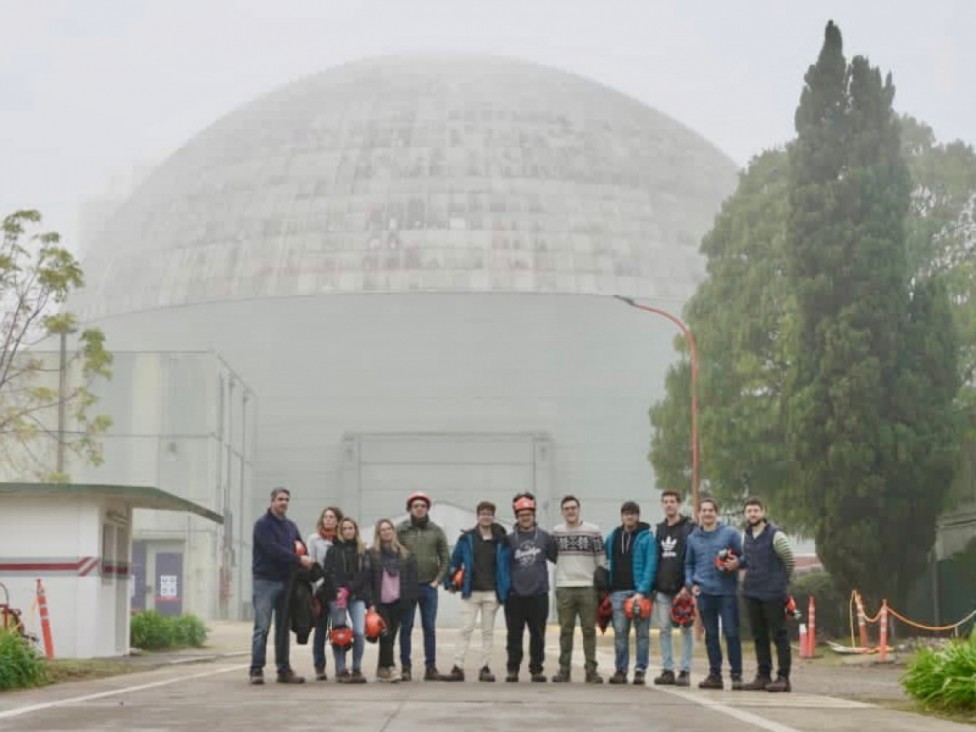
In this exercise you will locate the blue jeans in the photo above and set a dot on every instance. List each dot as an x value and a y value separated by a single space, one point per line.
663 608
356 611
318 640
269 599
427 599
621 634
726 608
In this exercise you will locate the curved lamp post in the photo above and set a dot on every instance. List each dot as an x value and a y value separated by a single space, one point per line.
686 331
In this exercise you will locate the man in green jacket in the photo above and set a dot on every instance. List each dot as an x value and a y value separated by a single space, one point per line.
425 540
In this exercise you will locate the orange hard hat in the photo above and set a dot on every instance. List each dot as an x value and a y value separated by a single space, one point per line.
523 504
457 580
683 611
375 626
300 548
637 610
341 636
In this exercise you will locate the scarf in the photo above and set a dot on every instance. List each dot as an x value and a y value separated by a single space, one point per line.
390 561
328 535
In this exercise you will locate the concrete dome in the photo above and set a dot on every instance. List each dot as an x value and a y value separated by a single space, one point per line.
418 174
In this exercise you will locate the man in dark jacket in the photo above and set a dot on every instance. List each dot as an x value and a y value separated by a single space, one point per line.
482 555
632 562
769 563
672 539
272 561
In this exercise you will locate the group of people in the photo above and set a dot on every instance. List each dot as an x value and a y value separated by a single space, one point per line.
674 568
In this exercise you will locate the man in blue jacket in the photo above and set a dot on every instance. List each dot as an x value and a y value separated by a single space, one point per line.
632 562
274 558
712 563
482 556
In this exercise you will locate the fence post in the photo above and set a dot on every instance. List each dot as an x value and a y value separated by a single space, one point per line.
862 624
883 640
812 629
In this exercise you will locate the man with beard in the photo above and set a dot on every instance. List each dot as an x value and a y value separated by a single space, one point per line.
482 557
712 563
632 562
425 540
672 539
768 558
528 599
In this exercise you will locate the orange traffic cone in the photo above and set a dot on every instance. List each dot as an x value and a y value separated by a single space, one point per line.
45 621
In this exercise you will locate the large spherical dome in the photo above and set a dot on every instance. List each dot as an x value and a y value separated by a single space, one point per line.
403 174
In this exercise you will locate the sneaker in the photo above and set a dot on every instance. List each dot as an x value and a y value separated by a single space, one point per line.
619 677
384 674
432 674
638 678
592 677
665 679
540 678
512 676
405 674
485 674
343 677
357 677
320 674
561 678
712 681
256 677
290 677
758 684
684 679
737 682
781 684
457 674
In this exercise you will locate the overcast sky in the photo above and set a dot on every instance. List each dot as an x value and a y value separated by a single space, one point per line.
89 90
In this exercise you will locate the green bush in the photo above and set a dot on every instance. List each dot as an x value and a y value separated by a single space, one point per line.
833 615
20 663
944 679
152 632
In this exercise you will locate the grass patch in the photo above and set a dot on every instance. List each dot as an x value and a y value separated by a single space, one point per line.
151 631
21 665
944 680
71 669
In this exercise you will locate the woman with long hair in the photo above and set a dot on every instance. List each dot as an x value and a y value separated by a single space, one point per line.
348 589
319 542
394 573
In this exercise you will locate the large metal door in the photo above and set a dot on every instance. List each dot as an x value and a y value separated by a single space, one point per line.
169 583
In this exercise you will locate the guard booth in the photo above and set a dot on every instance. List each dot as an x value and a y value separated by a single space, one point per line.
76 538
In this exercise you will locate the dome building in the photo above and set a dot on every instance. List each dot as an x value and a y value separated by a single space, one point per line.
410 262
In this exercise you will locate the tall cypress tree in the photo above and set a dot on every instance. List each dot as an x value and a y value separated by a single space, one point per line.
864 412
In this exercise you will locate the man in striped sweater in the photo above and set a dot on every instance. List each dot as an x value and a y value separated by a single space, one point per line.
579 551
769 563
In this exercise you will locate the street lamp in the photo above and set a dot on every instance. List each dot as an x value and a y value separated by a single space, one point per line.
693 349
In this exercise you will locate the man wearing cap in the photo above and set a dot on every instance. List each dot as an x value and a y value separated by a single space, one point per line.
274 557
527 604
425 540
632 561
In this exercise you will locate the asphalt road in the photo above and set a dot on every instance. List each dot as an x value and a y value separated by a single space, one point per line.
215 695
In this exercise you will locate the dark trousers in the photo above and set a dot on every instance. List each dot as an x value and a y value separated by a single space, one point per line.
427 601
713 608
532 612
391 613
768 620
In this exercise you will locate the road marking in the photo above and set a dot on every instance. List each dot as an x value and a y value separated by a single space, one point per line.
20 711
741 714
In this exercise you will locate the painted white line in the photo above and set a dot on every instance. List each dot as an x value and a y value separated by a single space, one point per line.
741 714
20 711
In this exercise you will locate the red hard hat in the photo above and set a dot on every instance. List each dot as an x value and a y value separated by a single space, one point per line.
418 496
683 611
300 548
523 504
457 580
722 557
341 636
375 626
641 611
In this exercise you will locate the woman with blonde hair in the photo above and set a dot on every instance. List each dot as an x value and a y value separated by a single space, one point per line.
319 542
394 580
348 589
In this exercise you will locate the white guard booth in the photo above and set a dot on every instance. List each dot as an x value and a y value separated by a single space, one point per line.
76 539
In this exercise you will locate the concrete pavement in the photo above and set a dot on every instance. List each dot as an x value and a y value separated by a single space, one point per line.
216 695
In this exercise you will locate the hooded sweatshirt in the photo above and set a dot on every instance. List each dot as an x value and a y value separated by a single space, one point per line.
700 569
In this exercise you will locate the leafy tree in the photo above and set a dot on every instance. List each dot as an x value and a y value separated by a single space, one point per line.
872 374
36 276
